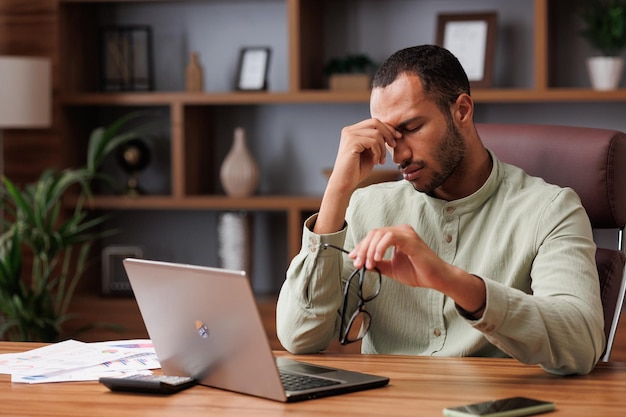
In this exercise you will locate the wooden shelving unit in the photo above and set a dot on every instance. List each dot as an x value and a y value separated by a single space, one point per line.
190 113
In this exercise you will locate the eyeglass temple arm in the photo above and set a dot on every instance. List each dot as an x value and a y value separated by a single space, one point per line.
328 245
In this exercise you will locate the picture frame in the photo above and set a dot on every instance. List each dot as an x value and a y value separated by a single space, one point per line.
126 58
253 68
471 37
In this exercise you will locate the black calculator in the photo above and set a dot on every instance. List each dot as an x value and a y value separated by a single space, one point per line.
149 384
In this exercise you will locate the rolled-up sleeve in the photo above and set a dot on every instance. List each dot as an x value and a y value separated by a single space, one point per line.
307 317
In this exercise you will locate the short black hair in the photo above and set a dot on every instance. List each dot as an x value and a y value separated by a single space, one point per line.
442 75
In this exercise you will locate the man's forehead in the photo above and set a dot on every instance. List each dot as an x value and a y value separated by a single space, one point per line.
398 101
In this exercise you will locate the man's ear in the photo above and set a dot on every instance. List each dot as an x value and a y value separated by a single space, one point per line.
463 109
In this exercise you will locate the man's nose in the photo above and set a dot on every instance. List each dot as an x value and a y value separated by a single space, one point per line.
401 153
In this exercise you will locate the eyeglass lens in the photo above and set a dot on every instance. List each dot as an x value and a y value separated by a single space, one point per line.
370 284
357 327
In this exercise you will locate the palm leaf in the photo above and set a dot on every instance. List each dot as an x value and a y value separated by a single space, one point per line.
18 198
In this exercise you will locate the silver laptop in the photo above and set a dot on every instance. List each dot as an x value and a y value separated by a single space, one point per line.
204 323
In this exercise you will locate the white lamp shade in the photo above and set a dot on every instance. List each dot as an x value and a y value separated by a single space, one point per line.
25 92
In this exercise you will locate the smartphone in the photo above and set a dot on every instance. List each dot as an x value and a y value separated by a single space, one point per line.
505 407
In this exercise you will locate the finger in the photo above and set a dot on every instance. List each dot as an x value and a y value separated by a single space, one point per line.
390 134
383 134
359 253
370 255
407 240
365 136
370 250
387 239
385 268
381 241
356 255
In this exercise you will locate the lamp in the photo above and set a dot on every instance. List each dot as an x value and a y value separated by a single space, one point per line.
25 95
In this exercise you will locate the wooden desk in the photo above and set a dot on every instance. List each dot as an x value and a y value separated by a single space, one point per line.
420 386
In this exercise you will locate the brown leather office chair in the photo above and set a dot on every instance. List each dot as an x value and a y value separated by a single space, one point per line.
593 163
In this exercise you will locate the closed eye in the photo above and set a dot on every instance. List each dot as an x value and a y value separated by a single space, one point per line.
411 125
409 129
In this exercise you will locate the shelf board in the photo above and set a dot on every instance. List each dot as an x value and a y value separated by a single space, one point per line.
255 203
199 98
495 95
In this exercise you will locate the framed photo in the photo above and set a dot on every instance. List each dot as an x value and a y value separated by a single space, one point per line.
253 66
126 58
471 38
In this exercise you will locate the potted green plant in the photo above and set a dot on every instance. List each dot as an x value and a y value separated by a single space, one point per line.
605 30
34 304
351 72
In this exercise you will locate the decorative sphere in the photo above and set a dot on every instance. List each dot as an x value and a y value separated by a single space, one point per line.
133 155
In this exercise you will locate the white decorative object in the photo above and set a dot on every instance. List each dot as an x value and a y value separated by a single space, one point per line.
605 72
239 173
234 240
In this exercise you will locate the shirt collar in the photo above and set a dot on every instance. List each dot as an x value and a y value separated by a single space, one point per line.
475 200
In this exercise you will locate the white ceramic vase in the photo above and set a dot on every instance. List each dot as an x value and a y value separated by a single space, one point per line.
239 172
605 72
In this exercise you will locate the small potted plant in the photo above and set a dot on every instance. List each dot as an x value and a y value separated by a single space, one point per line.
605 30
351 72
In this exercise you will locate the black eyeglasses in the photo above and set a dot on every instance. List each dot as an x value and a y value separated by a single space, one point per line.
355 328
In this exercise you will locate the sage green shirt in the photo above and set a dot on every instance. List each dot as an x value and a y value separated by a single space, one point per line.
531 242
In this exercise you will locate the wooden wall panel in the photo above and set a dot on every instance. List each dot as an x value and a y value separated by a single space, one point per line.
30 28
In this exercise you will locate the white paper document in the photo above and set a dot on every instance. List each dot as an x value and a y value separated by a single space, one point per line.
72 360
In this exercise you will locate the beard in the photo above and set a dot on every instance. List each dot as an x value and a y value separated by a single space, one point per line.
448 155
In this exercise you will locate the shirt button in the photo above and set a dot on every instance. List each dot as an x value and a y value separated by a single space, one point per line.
313 244
449 210
437 332
448 238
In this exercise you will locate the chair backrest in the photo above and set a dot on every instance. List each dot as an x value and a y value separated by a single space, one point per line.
593 163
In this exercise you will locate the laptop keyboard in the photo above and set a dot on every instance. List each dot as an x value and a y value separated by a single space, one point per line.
296 382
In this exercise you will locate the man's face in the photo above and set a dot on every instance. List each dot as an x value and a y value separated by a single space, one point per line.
431 148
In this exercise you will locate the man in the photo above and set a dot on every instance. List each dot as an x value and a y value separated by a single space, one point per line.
477 258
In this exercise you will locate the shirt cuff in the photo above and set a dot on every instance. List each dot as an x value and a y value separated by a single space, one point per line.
312 243
495 310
